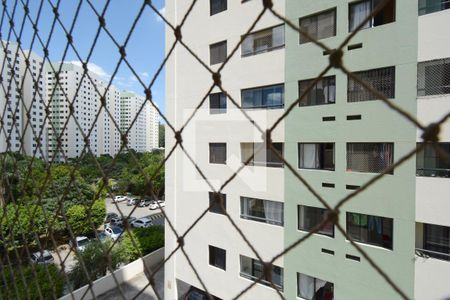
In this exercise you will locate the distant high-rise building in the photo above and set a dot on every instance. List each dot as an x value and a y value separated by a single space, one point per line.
152 127
131 105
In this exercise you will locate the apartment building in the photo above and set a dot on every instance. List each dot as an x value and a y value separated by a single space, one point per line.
338 137
130 107
152 127
23 121
72 89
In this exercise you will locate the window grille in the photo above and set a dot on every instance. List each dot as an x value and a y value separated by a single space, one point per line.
433 77
381 80
369 157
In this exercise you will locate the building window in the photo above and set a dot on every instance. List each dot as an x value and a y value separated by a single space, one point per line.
371 230
309 217
263 97
310 288
370 157
382 80
318 26
430 164
218 53
217 103
262 154
323 92
217 257
360 10
217 153
217 6
431 6
214 203
264 211
263 41
436 241
253 269
319 156
433 77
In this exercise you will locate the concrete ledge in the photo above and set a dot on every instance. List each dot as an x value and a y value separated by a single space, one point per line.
107 283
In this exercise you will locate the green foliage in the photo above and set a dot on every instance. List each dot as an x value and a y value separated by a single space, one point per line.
20 223
162 134
49 282
83 221
96 260
147 240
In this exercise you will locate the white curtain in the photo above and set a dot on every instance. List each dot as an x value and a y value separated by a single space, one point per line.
273 211
306 286
308 159
358 13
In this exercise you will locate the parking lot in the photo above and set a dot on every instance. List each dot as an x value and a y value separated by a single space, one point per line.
137 212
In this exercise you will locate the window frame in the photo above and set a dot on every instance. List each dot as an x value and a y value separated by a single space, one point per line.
218 110
320 232
368 144
261 90
272 48
314 89
212 13
362 94
315 279
372 7
211 156
423 158
256 264
303 39
247 216
214 205
214 256
299 146
267 151
219 60
360 239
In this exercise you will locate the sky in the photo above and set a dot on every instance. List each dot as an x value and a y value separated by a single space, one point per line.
144 50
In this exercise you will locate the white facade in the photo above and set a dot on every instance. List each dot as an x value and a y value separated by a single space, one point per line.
109 121
432 192
152 127
72 89
187 193
131 105
22 102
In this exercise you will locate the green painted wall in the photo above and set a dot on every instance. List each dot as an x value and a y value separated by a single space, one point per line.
394 196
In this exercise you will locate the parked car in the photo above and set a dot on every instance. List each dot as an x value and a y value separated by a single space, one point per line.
145 202
80 243
120 198
119 222
114 232
197 294
109 216
132 201
41 258
154 205
102 236
142 223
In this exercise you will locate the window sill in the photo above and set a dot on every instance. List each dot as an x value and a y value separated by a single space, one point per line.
262 51
316 105
308 169
263 107
316 233
371 246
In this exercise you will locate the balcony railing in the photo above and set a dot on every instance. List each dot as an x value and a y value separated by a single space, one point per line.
433 172
431 8
432 254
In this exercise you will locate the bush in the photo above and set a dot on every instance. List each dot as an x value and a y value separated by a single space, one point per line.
147 240
96 262
29 288
81 224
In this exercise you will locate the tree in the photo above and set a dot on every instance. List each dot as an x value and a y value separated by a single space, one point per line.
20 224
46 279
147 240
96 260
82 221
162 136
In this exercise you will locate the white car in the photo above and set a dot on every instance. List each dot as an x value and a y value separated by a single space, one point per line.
132 201
80 243
120 198
114 232
42 258
142 223
155 205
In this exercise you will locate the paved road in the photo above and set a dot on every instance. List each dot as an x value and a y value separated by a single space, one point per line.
138 212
